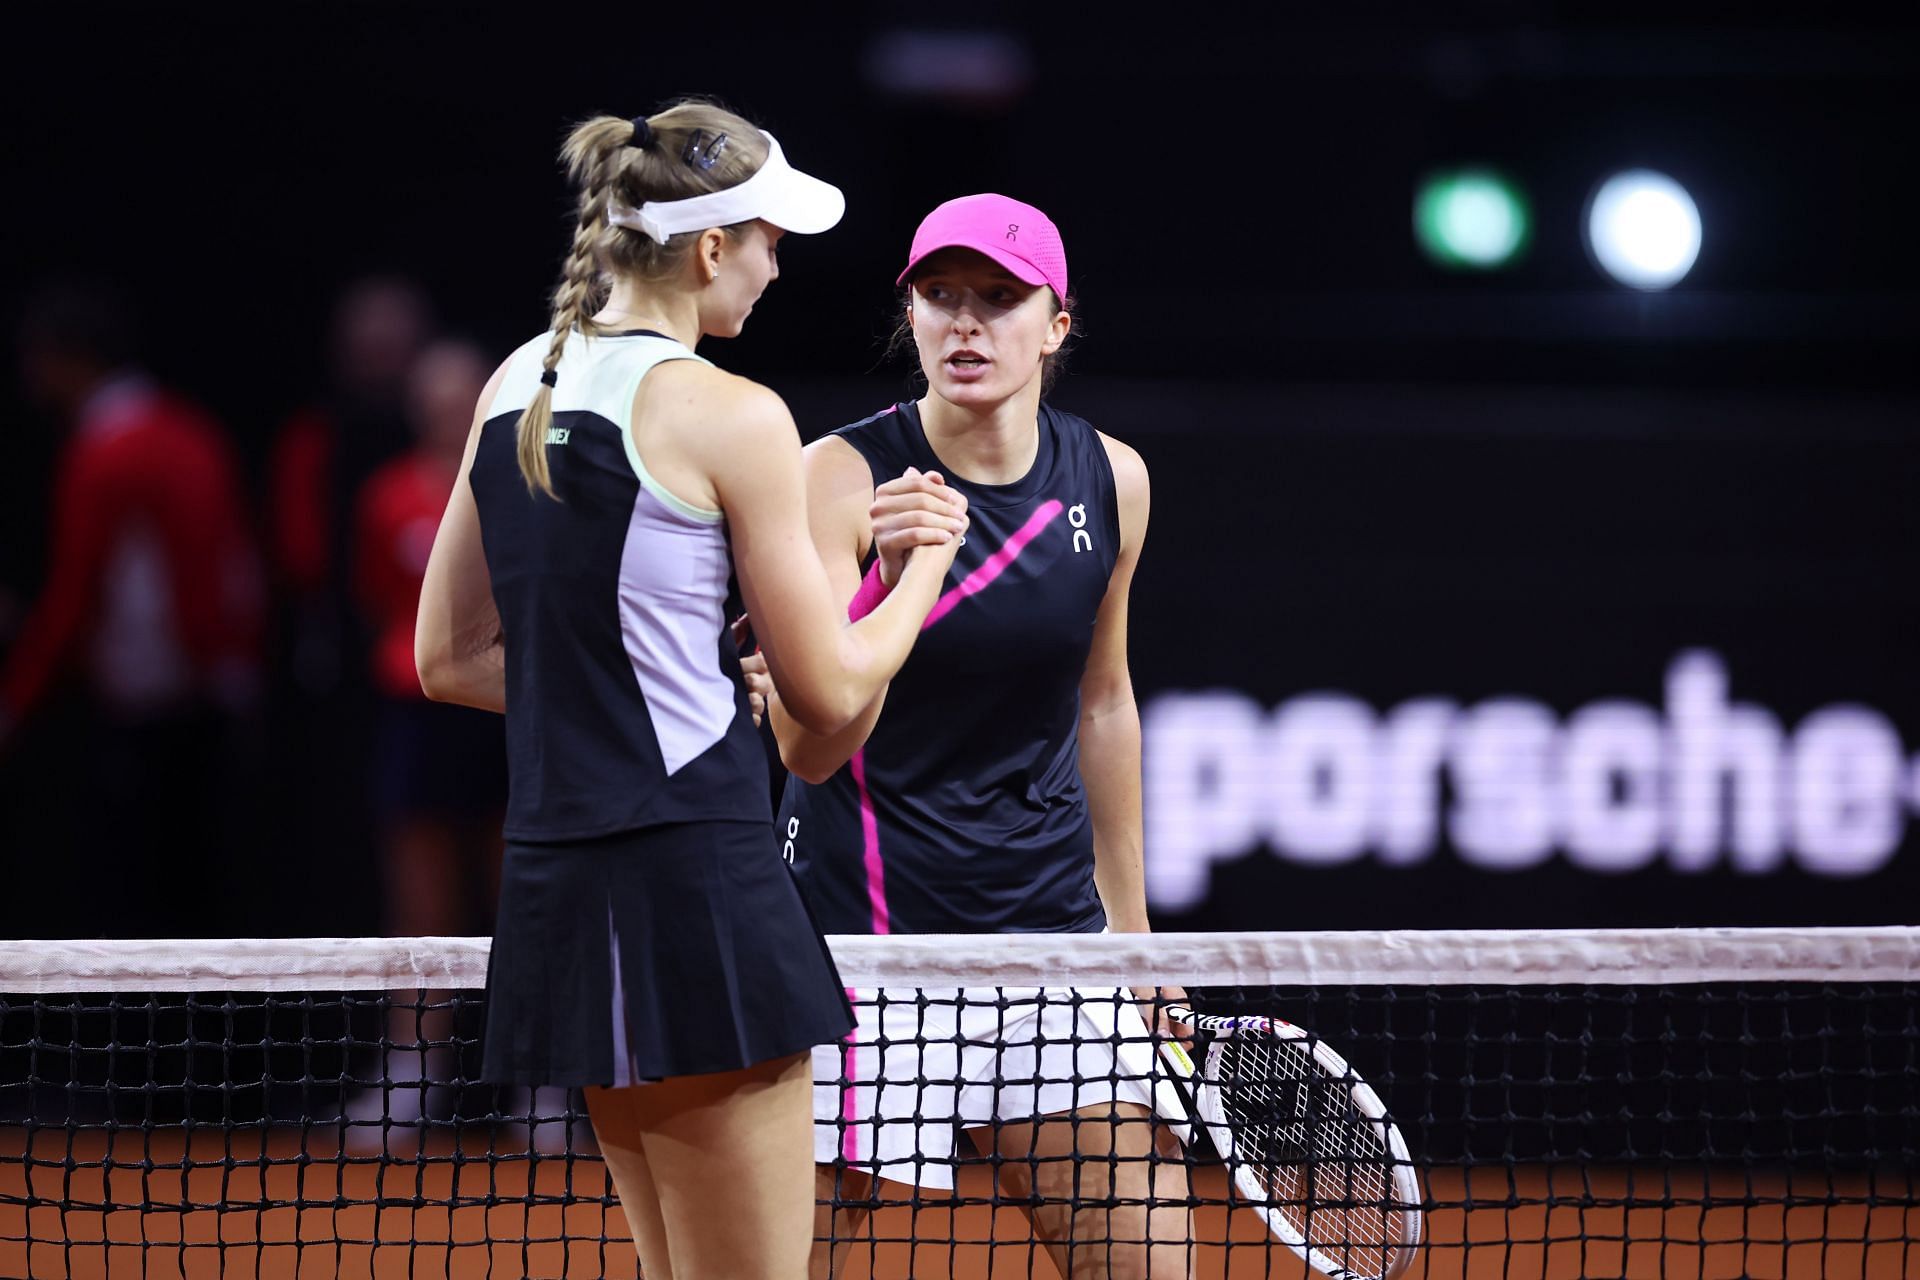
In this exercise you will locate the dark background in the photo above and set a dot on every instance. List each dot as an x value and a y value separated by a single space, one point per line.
1371 476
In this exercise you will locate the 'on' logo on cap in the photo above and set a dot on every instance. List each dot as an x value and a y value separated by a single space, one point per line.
1013 231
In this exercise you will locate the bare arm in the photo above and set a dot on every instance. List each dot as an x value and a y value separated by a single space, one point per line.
839 487
1110 720
828 671
458 647
847 514
1110 741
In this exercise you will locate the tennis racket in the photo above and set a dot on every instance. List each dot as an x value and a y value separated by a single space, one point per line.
1307 1143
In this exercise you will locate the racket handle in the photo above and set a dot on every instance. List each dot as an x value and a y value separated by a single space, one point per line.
1170 1097
1209 1022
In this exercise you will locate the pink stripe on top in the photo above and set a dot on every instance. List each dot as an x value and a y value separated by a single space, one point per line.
877 900
870 842
849 1065
996 564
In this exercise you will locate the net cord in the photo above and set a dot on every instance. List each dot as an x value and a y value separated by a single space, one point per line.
1588 957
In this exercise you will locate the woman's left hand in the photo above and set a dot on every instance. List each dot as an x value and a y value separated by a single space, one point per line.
753 667
1154 1003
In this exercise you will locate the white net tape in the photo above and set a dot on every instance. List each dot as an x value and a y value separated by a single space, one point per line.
1593 957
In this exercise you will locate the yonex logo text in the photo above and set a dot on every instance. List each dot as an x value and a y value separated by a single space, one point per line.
559 435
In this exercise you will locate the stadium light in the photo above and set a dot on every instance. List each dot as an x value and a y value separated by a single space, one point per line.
1472 219
1643 229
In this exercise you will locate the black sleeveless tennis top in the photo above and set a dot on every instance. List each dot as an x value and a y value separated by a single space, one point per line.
964 812
625 702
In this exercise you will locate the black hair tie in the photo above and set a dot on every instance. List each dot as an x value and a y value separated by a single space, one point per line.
551 377
642 132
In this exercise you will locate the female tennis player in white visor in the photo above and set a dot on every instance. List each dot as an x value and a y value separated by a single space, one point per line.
651 944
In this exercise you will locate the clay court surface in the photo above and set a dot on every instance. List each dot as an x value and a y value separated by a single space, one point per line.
1536 1223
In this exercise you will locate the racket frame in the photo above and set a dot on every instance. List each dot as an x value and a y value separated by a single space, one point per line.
1191 1096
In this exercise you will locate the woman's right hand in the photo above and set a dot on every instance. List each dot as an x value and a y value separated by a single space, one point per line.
916 510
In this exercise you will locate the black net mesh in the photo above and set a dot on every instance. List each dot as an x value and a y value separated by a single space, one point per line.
1735 1129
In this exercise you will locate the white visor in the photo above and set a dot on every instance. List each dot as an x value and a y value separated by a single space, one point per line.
777 193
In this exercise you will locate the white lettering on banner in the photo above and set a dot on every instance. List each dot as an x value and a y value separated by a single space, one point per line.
1407 773
1610 786
1501 765
1715 747
1846 784
1319 754
1620 786
1205 765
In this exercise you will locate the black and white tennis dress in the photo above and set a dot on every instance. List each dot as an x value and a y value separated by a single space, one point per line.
648 925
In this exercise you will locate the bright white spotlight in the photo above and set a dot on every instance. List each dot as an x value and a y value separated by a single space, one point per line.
1644 229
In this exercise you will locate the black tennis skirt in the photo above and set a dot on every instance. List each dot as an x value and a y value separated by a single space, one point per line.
673 950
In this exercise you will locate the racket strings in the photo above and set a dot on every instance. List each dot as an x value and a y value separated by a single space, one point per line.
1321 1162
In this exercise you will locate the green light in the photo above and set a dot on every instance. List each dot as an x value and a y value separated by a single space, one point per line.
1471 218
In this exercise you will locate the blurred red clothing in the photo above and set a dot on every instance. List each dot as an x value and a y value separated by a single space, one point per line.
154 582
300 478
399 513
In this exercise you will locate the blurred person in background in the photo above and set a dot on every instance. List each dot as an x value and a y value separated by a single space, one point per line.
324 456
439 770
324 702
152 599
438 784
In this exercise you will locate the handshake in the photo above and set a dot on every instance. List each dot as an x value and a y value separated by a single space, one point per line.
917 510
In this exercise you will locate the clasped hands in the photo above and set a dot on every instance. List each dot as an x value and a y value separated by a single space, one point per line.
919 509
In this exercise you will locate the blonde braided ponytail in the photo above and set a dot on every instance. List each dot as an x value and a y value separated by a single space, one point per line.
587 155
609 159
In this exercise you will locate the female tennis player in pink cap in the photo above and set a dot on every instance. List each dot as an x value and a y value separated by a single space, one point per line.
994 786
651 944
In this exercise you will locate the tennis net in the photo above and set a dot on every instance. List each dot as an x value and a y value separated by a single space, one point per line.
1704 1103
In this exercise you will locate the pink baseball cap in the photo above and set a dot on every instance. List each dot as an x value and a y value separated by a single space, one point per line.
1014 234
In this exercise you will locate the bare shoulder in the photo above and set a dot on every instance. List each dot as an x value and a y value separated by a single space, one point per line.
711 389
731 412
483 408
1129 469
836 470
493 383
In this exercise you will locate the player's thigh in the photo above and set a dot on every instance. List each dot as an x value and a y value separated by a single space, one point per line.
1052 1147
1107 1189
617 1131
731 1156
841 1214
